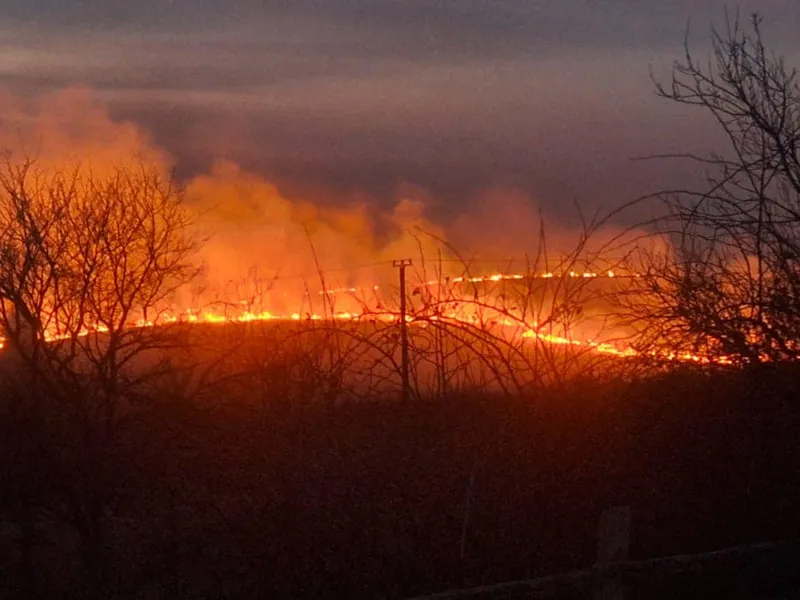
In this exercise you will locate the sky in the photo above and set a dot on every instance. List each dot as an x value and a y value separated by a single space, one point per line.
335 99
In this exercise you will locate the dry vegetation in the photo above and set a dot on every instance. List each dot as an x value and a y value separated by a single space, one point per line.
731 285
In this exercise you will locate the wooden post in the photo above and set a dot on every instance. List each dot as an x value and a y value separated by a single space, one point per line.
614 538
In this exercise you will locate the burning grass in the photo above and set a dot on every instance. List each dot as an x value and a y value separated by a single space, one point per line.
505 334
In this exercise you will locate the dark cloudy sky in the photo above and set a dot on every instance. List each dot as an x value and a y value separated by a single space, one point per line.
553 97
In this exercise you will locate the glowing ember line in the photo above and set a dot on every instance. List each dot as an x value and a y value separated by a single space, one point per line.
211 318
246 316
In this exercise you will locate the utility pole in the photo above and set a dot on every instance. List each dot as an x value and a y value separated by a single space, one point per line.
402 264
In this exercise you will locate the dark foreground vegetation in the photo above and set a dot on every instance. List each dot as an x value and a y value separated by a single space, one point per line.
390 500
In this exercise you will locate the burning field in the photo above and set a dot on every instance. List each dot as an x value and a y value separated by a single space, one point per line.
107 248
454 341
501 333
100 244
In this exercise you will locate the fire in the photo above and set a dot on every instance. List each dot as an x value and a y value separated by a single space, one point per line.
243 215
513 327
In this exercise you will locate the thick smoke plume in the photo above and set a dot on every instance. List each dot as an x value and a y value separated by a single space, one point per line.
278 251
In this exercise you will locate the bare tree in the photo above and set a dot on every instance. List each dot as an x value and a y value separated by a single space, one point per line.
87 262
731 284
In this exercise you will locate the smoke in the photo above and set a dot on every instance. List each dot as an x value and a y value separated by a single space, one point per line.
71 127
260 241
504 229
264 246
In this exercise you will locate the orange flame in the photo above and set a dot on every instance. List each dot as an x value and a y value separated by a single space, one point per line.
514 327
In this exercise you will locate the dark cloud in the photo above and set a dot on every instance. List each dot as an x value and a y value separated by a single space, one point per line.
485 25
552 97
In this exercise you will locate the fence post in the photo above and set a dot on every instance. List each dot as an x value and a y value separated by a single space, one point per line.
614 538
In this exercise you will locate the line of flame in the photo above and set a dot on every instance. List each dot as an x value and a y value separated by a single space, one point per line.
209 317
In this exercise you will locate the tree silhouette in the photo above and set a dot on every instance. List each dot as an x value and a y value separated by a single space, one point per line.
85 261
731 285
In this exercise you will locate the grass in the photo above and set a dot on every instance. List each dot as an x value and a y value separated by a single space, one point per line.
234 498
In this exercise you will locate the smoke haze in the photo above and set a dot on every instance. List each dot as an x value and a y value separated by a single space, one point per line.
259 237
